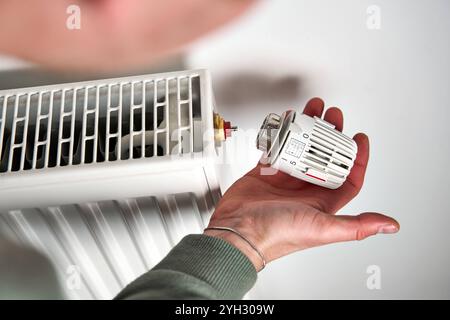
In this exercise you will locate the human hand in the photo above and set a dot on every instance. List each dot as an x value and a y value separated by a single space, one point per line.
280 214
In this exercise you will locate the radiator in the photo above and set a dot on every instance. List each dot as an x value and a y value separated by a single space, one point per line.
104 177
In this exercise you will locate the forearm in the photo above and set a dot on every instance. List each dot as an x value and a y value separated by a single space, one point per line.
199 267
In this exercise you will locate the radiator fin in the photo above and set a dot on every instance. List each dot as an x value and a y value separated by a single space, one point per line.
110 243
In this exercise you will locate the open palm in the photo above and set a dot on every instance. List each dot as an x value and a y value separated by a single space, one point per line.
282 214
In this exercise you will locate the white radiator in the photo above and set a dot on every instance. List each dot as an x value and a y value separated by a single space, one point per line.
104 177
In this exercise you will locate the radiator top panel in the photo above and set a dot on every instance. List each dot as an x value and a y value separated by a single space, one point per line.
99 121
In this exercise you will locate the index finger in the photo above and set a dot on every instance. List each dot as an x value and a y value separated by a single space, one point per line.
314 107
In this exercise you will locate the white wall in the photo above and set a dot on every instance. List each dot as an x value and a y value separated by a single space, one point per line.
391 83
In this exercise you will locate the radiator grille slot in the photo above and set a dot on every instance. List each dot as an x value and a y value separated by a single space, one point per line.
80 123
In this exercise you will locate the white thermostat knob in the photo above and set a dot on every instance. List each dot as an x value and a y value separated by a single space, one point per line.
307 148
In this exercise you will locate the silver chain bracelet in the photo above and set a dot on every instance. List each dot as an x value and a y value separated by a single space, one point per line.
260 254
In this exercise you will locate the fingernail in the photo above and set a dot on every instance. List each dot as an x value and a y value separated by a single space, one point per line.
390 228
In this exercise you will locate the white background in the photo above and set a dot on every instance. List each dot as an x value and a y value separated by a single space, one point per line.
391 83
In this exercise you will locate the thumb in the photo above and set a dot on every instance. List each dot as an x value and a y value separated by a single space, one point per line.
349 228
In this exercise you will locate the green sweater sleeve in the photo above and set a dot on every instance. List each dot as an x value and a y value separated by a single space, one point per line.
199 267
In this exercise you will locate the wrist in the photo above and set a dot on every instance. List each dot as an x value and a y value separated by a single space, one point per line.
239 243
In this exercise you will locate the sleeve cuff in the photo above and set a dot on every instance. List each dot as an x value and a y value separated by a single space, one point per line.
214 261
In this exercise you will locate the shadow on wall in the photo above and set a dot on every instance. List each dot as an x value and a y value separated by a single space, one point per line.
253 88
36 76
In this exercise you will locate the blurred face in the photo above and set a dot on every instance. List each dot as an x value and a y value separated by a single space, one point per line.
105 35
